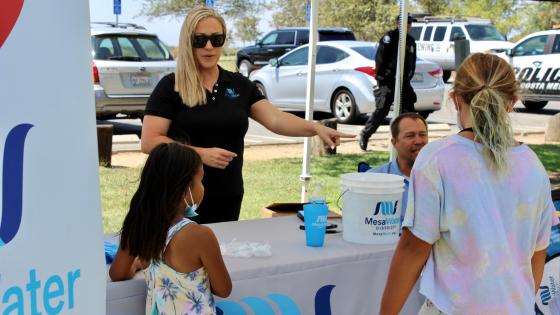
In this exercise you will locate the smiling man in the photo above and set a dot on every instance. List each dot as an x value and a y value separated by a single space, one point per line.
409 133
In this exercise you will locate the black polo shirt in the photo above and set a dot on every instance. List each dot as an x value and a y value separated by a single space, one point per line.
222 123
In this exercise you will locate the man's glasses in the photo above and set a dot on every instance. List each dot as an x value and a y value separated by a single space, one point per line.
200 41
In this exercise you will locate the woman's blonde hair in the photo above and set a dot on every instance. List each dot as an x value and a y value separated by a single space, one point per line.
487 84
188 81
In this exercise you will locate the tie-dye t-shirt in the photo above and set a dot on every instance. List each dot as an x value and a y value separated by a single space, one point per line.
484 228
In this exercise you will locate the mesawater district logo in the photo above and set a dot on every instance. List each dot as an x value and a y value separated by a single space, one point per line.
386 207
384 219
12 183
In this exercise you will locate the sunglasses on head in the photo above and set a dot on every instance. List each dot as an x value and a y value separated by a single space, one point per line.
200 41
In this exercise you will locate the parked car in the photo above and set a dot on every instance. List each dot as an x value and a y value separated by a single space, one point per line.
128 62
536 61
344 80
435 38
278 42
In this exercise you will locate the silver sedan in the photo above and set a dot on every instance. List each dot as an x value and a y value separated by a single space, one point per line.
344 80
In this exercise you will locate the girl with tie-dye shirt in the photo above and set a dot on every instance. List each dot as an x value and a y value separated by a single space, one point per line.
479 211
184 266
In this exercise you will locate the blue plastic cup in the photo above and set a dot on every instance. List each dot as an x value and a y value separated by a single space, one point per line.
315 218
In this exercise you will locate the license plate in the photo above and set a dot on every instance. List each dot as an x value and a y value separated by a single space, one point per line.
140 80
418 77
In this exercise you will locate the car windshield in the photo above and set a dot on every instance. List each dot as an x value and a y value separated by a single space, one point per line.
127 47
484 32
366 51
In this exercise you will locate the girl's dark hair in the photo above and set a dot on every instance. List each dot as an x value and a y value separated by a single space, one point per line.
168 171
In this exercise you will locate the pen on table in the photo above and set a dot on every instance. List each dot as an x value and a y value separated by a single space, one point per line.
331 231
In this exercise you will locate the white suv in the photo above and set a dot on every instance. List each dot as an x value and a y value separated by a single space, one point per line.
435 38
536 61
128 62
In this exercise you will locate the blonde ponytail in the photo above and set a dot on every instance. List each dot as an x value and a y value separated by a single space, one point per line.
492 127
487 85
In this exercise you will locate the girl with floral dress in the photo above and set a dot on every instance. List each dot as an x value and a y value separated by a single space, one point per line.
182 260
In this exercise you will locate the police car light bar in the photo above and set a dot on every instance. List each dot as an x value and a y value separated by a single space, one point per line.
452 19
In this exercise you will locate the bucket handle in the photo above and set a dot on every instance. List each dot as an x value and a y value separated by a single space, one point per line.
340 196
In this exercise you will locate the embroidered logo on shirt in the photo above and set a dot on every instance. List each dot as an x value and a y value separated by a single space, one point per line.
231 93
386 39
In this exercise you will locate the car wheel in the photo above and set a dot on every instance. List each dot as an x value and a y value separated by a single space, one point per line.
534 106
261 88
425 113
446 75
343 107
245 67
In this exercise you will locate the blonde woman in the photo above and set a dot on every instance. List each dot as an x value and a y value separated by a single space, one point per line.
208 108
479 210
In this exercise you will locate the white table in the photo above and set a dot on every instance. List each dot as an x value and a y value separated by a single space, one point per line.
344 277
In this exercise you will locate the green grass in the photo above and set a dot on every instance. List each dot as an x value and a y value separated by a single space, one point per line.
277 180
549 154
268 181
117 187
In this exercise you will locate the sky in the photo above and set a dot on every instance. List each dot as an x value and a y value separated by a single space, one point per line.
166 28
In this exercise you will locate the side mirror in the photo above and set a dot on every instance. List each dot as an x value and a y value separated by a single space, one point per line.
258 42
274 62
509 52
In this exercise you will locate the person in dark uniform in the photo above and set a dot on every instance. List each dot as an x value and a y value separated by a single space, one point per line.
208 109
386 61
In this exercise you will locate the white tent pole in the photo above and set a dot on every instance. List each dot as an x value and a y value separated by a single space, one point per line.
397 107
305 176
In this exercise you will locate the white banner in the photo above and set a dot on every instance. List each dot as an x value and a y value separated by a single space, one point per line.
346 288
51 239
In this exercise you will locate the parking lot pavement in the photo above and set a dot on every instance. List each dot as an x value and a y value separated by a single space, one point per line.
131 142
258 135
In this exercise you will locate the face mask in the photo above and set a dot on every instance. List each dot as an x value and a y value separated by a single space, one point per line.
190 211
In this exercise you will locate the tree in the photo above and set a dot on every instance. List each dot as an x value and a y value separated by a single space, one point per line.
179 8
288 13
368 19
434 7
246 28
538 16
504 13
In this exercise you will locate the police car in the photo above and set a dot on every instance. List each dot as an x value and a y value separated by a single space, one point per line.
435 38
536 62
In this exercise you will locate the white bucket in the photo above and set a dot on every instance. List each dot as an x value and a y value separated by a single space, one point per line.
371 207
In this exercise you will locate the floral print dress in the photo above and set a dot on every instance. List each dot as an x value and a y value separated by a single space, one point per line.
172 292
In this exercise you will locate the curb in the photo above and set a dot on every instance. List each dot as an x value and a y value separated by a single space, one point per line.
125 143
